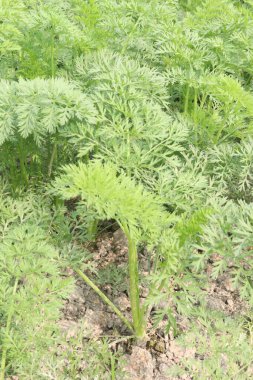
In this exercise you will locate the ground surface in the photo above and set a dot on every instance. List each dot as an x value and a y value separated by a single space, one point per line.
155 358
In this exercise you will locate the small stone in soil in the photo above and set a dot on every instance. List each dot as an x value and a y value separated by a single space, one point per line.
140 365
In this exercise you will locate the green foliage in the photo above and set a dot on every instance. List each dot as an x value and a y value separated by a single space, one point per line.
40 107
33 116
222 345
186 186
148 105
31 288
228 234
231 167
114 276
107 195
79 356
42 38
133 129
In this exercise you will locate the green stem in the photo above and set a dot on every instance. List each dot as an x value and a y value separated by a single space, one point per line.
13 172
92 230
128 152
209 105
186 100
195 119
137 312
104 298
52 53
58 202
203 100
7 331
113 376
52 158
195 105
24 174
217 138
54 151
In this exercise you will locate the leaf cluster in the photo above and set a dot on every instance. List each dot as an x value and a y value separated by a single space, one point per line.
109 195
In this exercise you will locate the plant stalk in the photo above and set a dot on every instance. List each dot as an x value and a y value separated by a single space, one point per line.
137 311
195 118
7 331
104 298
52 158
186 101
92 230
203 100
23 167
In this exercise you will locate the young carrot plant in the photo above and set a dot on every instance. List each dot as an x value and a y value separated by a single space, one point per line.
33 116
105 194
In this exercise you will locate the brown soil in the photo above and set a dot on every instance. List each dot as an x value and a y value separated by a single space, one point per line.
153 359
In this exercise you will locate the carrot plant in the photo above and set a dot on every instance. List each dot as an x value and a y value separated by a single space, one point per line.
106 195
33 116
41 39
133 129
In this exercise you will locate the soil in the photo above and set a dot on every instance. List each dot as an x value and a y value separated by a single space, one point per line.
153 359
